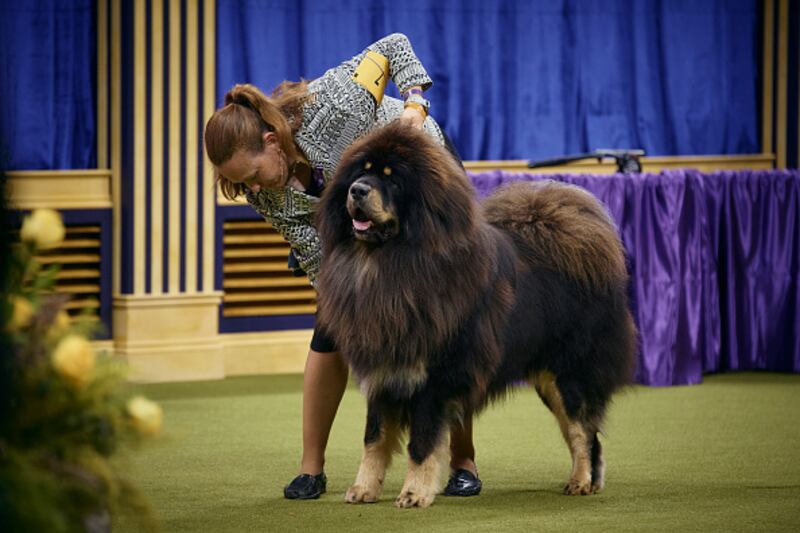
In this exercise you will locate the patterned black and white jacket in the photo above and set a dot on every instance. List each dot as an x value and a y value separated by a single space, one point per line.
340 111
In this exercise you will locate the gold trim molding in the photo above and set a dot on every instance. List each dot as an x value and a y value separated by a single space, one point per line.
274 352
767 77
60 189
168 300
169 337
271 352
782 79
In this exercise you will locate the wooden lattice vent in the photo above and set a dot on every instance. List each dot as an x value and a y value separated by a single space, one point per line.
256 279
79 275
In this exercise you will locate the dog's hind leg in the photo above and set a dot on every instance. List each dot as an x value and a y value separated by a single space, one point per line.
381 439
581 438
598 465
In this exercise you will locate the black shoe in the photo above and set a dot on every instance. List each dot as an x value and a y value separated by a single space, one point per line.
463 483
306 487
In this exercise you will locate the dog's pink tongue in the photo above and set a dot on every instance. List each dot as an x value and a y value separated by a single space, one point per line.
361 226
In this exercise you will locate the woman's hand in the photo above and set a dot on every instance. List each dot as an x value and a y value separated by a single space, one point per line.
413 117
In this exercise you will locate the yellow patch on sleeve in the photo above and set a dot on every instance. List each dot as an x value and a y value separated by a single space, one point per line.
372 73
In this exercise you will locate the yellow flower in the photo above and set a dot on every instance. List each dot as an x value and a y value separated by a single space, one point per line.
44 228
21 314
146 415
60 324
74 359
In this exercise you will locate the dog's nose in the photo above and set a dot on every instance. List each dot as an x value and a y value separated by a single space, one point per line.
359 190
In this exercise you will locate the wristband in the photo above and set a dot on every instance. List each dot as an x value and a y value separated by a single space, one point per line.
418 100
413 90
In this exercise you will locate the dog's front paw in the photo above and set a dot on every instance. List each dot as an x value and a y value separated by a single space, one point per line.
577 487
362 494
409 499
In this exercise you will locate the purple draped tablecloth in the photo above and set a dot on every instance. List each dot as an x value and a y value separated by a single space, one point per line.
714 261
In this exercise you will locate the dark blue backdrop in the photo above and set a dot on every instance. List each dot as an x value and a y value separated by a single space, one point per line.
514 79
48 73
519 79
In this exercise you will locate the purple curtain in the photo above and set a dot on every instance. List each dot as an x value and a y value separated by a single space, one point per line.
714 262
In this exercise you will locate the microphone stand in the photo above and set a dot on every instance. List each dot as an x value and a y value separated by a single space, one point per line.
627 160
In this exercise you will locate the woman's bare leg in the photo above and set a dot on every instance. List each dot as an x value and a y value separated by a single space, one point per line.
324 382
462 450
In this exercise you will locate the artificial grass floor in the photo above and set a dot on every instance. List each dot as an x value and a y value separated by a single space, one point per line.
721 456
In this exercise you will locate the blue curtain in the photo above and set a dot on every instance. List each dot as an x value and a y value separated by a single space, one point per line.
48 51
528 79
514 79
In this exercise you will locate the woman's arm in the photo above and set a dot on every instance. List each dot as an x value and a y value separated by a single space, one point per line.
393 58
291 213
405 68
306 246
389 58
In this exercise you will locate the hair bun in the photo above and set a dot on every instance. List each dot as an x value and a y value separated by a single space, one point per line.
240 94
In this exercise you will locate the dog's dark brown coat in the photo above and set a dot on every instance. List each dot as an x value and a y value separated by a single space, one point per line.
466 299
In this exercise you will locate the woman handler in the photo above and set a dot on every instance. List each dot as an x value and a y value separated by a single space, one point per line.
279 152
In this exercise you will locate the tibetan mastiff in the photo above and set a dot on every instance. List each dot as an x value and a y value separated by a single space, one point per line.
440 304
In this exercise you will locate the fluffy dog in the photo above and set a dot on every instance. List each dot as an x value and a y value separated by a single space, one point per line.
439 305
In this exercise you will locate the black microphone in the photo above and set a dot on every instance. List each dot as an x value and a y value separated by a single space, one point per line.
627 160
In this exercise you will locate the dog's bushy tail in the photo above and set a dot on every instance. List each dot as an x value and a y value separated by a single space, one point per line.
563 228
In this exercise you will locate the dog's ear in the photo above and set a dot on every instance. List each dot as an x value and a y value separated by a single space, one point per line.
444 201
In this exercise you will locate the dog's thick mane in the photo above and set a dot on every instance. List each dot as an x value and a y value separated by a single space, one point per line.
368 293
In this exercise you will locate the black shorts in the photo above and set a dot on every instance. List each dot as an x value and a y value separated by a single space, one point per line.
321 341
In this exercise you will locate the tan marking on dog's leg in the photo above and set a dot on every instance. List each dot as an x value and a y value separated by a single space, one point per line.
423 481
377 457
577 438
580 482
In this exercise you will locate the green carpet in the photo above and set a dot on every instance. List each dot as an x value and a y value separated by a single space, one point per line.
721 456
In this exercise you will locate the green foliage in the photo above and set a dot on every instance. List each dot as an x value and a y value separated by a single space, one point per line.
67 414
